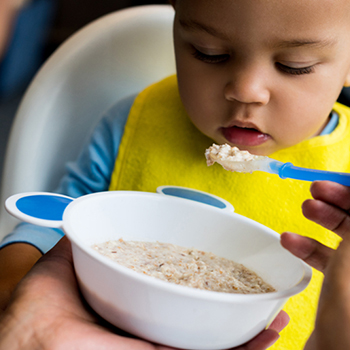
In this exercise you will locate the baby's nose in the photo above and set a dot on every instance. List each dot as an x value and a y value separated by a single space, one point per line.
248 85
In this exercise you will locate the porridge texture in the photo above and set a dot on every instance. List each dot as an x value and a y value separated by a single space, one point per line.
184 266
232 159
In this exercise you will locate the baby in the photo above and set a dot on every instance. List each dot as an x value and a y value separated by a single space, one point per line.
260 75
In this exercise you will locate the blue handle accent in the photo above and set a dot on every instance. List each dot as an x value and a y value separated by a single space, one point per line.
43 206
288 170
195 196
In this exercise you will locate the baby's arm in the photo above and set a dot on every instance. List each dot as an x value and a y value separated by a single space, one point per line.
331 209
15 261
19 251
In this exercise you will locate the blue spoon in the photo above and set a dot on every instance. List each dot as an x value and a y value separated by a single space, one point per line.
288 170
284 170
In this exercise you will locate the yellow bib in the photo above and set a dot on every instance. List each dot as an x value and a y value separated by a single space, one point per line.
160 146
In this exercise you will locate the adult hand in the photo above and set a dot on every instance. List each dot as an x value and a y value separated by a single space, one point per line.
269 336
329 208
48 312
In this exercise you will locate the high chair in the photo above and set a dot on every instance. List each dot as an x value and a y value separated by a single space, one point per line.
113 57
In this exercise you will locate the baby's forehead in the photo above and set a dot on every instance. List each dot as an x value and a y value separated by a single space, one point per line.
316 5
317 13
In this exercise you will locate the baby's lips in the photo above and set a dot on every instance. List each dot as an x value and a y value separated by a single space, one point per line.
244 136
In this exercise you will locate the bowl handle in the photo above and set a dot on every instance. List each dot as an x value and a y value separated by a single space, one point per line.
38 208
196 195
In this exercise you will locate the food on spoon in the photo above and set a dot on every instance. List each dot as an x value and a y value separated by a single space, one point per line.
185 266
232 158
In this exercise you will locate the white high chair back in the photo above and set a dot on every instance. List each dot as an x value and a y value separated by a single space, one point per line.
114 56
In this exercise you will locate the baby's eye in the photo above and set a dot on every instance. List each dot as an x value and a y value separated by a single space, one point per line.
295 71
210 58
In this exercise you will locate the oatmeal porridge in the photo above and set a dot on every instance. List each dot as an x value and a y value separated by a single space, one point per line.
184 266
232 158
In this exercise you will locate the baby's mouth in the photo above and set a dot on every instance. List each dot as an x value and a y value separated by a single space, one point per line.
244 136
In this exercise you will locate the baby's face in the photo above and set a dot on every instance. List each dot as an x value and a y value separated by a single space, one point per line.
261 75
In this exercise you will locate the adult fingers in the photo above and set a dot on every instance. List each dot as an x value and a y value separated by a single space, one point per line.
331 206
52 283
261 342
280 322
62 251
309 250
327 215
269 336
55 266
332 193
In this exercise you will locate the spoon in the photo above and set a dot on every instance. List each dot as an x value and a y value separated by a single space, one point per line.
232 159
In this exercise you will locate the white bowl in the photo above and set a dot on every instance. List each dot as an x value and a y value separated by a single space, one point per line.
167 313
